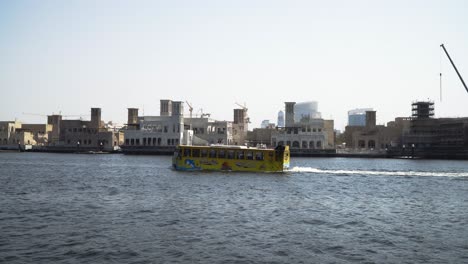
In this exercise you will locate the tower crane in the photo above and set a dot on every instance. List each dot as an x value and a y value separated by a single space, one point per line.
35 114
453 64
190 108
243 106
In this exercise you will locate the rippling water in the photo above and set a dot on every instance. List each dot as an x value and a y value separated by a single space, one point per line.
135 209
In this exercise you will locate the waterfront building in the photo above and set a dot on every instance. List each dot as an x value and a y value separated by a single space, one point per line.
431 137
307 134
207 131
39 133
375 137
160 134
80 135
14 133
8 131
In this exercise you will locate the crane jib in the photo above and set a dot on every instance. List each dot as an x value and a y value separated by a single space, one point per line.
453 64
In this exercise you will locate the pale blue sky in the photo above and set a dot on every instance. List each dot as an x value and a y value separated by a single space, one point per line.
70 56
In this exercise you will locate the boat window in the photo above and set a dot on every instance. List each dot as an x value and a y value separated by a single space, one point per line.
195 153
270 155
221 154
250 155
212 153
204 153
240 155
186 152
230 154
259 155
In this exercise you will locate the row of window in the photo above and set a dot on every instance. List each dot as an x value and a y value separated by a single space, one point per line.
12 141
150 142
297 144
5 129
161 128
224 154
209 130
81 130
303 129
89 142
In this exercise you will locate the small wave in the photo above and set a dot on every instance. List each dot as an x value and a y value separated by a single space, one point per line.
383 173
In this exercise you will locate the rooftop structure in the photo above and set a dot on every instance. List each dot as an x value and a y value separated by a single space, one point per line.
423 109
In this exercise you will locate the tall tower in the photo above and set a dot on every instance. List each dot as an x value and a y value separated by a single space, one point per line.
165 108
132 121
177 108
96 118
280 118
239 116
370 118
289 106
55 121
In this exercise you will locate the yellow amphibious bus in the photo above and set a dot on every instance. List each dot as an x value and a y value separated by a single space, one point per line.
230 158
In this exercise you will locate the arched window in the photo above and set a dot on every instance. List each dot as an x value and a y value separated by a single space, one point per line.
319 144
304 144
295 144
371 144
281 143
311 144
361 144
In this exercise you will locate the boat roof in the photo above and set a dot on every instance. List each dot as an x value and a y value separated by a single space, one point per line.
226 147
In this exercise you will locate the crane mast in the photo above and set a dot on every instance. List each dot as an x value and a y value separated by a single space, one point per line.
453 64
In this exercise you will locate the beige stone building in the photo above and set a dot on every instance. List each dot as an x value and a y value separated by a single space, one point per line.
308 133
376 137
8 130
81 135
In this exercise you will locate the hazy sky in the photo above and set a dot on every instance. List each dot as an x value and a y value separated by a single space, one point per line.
70 56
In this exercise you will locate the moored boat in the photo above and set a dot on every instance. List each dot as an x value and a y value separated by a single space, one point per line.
230 158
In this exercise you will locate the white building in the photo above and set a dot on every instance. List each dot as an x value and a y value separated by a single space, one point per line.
164 130
162 133
307 133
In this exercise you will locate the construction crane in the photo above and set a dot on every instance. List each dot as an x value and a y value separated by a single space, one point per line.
190 108
202 115
244 107
35 114
453 64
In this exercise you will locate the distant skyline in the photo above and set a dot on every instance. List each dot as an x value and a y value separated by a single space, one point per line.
70 56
